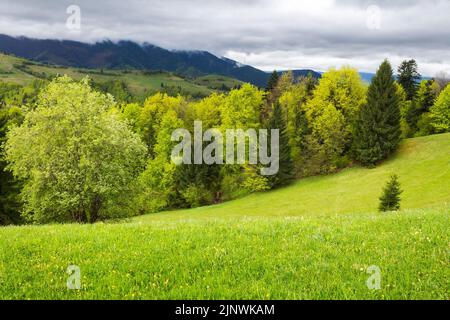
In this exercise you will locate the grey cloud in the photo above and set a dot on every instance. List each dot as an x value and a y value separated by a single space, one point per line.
268 33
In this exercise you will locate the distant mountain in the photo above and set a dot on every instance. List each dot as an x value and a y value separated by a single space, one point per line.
367 76
130 55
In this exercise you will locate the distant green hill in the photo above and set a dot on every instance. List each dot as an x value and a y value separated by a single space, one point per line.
139 83
131 55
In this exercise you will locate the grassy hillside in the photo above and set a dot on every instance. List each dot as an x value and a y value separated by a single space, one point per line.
140 83
422 164
313 240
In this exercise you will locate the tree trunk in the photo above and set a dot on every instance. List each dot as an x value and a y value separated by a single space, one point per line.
96 204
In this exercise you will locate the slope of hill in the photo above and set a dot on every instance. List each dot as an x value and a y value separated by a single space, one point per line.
422 164
139 83
130 55
313 240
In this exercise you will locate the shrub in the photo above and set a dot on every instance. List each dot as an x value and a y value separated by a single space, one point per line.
390 199
197 195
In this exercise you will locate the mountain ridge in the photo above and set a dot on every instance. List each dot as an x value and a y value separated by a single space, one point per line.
126 54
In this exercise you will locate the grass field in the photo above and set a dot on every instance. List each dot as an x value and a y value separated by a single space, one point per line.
312 240
138 82
422 164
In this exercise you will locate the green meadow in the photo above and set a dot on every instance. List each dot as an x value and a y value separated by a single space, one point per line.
315 239
140 83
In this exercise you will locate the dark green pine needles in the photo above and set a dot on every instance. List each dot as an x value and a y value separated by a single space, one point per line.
377 132
286 166
390 199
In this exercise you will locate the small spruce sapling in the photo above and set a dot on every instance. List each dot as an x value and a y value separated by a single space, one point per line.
390 200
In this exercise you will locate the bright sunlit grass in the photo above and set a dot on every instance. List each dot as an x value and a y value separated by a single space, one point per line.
312 240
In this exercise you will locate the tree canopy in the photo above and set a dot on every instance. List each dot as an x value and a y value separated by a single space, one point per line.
440 112
378 132
76 157
409 77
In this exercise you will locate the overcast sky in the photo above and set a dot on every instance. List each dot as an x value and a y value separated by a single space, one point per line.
268 34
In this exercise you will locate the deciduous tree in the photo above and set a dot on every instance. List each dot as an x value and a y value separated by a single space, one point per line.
76 157
440 112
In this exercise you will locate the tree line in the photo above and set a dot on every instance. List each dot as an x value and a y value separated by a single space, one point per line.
71 152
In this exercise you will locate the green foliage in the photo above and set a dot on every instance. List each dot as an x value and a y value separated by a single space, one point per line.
232 182
154 109
131 113
427 94
158 182
319 122
424 125
405 106
253 181
426 97
117 88
280 85
285 82
331 115
285 173
343 90
165 185
9 187
377 133
156 186
419 162
196 195
390 199
15 95
293 103
409 77
207 110
241 108
330 130
76 157
202 177
440 112
273 81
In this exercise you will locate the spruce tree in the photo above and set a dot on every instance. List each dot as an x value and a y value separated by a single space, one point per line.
390 199
377 132
286 166
273 81
202 176
271 96
409 77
